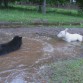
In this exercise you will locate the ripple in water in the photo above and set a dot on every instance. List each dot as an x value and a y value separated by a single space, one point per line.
48 47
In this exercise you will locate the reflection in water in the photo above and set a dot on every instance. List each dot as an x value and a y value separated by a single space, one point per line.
25 65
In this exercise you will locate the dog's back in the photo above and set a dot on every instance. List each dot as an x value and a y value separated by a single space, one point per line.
13 45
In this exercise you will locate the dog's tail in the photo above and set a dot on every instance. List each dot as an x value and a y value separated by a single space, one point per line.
82 38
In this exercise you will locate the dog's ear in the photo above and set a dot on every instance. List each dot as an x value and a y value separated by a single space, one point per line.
66 29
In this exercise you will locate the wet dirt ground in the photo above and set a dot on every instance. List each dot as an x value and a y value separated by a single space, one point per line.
40 47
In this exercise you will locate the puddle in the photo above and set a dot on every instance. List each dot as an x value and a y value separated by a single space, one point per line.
26 65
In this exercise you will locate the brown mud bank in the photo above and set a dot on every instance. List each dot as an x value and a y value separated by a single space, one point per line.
37 23
40 47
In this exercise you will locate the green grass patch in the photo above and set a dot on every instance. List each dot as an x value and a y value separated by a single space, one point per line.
29 14
63 11
67 71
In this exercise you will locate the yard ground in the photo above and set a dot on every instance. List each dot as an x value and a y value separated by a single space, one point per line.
29 21
63 70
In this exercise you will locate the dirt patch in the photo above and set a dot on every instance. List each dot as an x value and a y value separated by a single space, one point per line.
37 23
40 47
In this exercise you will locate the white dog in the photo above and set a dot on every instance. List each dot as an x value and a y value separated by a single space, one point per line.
69 37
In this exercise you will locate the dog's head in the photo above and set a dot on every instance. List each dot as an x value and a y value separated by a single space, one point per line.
62 34
17 38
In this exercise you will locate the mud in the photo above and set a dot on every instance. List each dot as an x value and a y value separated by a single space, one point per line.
40 47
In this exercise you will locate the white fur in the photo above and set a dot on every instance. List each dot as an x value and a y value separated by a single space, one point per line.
69 37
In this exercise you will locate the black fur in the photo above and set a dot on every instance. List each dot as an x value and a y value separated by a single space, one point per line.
11 46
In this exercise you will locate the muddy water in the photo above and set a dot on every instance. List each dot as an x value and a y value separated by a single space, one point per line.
25 64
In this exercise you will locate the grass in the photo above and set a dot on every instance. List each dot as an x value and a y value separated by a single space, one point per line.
67 71
28 14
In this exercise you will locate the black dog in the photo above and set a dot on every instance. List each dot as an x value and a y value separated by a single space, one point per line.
11 46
